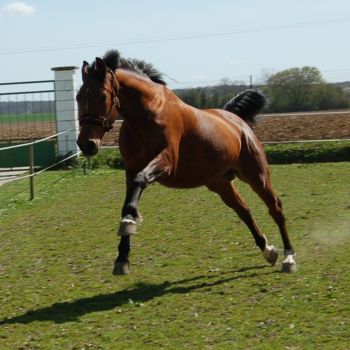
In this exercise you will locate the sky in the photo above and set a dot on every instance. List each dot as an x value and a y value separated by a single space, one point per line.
194 42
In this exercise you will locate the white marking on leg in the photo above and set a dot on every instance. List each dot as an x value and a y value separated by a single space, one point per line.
289 259
289 264
127 227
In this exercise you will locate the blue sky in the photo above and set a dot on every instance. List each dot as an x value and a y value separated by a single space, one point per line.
195 42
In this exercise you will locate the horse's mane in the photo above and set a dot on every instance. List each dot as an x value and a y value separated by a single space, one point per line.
113 60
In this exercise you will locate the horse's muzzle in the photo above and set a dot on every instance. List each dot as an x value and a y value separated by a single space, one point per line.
89 148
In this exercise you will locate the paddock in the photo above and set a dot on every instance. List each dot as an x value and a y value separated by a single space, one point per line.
197 279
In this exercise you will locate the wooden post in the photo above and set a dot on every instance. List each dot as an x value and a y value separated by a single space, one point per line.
31 169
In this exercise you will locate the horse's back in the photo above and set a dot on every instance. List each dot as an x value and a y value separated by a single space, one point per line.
218 132
209 148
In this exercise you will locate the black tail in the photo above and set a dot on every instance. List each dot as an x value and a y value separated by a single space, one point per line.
246 105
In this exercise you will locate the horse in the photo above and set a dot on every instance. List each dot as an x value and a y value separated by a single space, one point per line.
162 139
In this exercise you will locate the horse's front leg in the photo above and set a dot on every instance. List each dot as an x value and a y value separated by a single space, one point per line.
158 167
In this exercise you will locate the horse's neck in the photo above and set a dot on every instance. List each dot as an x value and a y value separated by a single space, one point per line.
136 92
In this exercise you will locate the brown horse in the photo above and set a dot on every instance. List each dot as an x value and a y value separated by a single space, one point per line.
165 140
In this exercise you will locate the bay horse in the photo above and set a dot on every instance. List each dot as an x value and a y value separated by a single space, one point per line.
166 140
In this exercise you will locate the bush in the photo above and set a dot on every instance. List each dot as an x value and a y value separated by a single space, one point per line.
313 152
110 158
333 151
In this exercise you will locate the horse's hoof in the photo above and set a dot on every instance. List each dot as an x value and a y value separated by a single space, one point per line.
289 267
289 264
121 268
127 227
271 254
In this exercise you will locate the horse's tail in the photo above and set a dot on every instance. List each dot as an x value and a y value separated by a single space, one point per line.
247 105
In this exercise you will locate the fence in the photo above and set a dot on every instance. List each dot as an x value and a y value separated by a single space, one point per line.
27 114
31 161
38 113
38 126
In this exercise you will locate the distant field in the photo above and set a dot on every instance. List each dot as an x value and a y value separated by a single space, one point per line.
301 126
26 126
27 118
197 280
287 127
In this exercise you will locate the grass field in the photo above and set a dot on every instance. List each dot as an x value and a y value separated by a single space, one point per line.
197 281
27 118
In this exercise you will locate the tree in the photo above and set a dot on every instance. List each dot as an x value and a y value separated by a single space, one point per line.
292 89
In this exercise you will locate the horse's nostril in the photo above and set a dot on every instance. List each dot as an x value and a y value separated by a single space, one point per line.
91 148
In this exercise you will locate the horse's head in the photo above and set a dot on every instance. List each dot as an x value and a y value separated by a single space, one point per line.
98 105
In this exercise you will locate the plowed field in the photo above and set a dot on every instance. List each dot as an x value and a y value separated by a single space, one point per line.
276 127
284 127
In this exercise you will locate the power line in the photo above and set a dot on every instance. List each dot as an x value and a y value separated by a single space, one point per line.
179 37
239 78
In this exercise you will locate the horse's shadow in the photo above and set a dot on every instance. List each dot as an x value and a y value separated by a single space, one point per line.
141 292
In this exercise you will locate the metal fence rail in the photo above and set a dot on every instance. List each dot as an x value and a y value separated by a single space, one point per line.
34 142
31 165
27 113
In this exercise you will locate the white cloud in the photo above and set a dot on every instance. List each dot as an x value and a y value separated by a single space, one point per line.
19 8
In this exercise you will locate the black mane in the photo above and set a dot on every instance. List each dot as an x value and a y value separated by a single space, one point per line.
113 60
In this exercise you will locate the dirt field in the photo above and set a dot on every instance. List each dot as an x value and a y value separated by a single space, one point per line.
325 125
25 131
316 126
303 126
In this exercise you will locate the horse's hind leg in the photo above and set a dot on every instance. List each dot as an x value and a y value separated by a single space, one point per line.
232 199
261 183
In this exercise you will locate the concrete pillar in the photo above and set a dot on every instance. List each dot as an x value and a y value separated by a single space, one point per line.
66 109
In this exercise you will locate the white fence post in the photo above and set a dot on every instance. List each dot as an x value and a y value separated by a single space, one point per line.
66 109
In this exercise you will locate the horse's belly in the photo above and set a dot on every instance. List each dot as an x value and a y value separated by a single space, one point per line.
182 182
198 172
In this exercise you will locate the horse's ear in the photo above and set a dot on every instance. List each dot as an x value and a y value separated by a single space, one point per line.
100 68
84 70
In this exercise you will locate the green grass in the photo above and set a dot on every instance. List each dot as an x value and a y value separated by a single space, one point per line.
197 281
26 118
